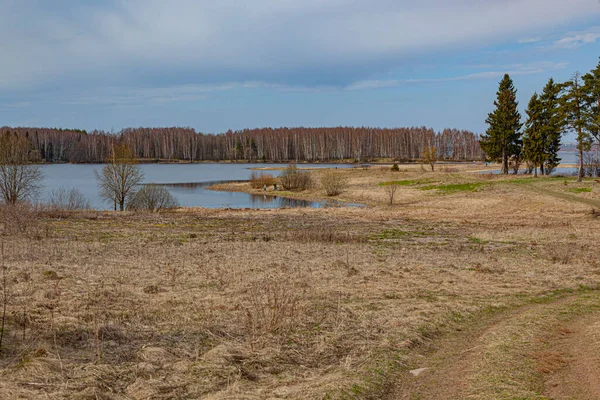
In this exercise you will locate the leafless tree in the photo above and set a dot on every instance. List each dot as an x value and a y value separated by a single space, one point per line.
334 184
152 198
430 156
265 144
19 178
390 190
294 179
119 177
68 200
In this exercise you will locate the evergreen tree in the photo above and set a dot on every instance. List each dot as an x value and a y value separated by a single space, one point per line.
552 125
592 94
533 140
577 114
502 140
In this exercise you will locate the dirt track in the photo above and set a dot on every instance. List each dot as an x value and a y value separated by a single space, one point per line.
539 351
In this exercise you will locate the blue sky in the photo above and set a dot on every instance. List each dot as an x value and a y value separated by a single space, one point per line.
232 64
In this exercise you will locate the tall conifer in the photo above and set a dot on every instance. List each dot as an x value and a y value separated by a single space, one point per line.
553 125
502 140
577 114
592 94
533 140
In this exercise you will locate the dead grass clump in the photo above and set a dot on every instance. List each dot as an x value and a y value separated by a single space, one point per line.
560 254
258 180
325 235
272 306
449 170
22 219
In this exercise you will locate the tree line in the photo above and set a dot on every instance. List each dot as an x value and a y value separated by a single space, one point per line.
572 106
263 144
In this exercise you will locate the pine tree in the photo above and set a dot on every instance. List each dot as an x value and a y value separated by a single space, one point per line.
592 93
577 114
502 140
552 126
533 140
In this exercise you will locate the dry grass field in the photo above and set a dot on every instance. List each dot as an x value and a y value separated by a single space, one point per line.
484 280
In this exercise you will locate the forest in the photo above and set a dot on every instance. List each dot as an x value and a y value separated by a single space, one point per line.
255 145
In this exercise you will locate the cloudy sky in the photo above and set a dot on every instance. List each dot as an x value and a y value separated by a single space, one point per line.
232 64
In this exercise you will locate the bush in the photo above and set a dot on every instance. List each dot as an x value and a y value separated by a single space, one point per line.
292 179
68 200
333 183
395 167
152 198
259 180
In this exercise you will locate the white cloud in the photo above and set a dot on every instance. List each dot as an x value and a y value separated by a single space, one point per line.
260 40
575 40
528 40
515 70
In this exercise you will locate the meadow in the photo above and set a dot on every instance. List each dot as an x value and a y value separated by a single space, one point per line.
486 281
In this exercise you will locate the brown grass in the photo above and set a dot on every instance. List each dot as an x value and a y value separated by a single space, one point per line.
300 303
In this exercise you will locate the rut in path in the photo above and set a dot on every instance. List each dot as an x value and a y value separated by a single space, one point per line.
540 351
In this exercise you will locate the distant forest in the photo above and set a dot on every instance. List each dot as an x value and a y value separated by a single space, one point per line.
255 145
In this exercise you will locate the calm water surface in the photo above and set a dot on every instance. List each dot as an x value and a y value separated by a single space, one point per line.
187 182
567 157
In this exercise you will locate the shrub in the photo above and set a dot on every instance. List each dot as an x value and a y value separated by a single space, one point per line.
259 180
292 179
68 200
152 198
395 167
333 183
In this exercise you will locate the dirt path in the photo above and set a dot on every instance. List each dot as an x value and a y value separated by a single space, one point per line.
578 375
540 351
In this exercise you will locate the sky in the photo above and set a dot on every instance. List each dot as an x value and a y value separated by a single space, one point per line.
235 64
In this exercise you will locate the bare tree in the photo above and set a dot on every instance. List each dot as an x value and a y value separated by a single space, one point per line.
390 190
120 176
19 178
430 156
152 198
334 183
68 200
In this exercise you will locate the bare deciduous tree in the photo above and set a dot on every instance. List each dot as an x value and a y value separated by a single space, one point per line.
19 178
333 183
120 177
152 198
390 190
430 156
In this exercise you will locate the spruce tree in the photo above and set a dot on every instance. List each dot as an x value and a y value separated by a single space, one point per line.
592 93
533 140
552 126
502 140
577 114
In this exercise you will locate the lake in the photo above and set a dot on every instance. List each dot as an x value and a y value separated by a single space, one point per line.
567 157
187 182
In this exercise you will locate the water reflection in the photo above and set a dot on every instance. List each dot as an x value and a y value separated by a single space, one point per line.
187 182
252 200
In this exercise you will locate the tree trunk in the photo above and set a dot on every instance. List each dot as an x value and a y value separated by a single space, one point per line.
504 162
580 174
535 173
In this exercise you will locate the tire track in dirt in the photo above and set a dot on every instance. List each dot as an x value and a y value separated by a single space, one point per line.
578 372
538 351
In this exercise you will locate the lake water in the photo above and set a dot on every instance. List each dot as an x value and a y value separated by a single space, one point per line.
187 182
567 157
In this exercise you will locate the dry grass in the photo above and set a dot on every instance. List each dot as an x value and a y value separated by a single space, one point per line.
297 303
